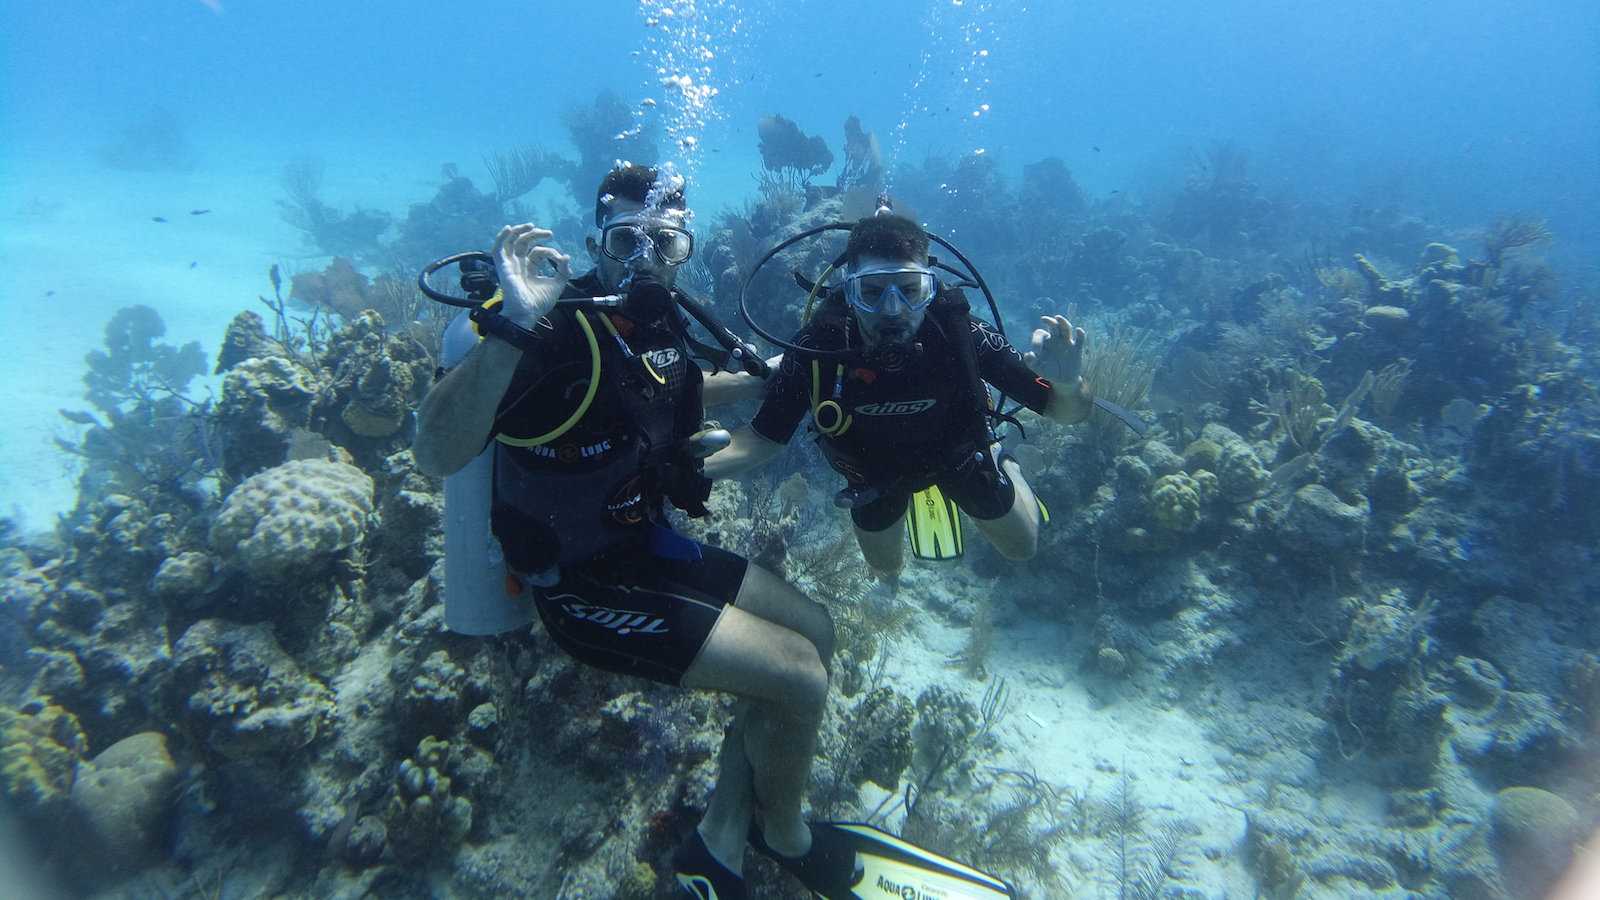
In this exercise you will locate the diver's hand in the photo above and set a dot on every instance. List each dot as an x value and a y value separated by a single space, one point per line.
529 293
1057 352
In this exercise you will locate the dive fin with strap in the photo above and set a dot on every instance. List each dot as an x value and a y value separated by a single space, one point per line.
933 523
882 866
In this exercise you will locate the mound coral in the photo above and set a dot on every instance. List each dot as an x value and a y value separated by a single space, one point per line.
1533 833
295 518
1175 500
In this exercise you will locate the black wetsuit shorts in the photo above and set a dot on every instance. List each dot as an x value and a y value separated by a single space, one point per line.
644 610
981 491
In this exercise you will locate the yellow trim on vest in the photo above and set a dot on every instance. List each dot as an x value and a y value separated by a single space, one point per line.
606 320
588 394
841 420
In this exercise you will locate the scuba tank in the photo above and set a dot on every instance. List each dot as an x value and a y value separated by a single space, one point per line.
475 599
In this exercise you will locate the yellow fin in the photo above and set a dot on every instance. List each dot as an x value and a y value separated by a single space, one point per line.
933 523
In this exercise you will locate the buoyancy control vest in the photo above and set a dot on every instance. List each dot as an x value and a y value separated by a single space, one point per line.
949 313
561 503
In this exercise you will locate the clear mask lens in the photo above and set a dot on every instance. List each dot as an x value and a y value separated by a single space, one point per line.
627 241
872 291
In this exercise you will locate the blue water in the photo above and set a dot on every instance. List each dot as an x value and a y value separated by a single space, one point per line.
1455 112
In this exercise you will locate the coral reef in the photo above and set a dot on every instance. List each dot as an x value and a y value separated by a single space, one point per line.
1344 576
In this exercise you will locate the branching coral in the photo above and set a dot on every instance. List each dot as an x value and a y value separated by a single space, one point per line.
1513 232
324 227
338 288
1140 863
790 152
1297 413
1119 368
149 433
519 170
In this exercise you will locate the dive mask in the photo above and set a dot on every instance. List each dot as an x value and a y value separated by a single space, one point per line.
628 238
875 290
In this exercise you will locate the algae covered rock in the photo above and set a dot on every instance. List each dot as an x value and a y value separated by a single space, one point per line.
246 696
1318 521
1385 633
124 794
294 519
264 399
40 749
377 378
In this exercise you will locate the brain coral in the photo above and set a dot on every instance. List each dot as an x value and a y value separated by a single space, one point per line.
298 515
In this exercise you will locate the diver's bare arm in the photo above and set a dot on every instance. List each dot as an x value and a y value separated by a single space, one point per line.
455 417
1069 404
746 451
731 387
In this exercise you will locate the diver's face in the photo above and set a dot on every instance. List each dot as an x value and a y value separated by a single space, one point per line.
616 274
894 321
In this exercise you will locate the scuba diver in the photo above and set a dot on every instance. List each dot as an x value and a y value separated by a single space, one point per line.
893 370
585 395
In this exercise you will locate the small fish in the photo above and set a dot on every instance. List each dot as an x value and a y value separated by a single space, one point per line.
816 74
201 212
160 219
1116 192
194 263
1095 149
49 293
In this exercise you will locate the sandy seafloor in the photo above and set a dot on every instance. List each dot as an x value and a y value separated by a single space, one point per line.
1059 728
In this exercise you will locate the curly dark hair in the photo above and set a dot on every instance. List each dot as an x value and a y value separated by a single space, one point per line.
891 237
632 182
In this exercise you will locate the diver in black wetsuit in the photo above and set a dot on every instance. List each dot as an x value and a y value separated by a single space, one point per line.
907 408
594 415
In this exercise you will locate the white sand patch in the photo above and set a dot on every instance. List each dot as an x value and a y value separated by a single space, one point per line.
1060 731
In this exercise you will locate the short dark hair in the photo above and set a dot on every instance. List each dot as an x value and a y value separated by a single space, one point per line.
891 237
634 182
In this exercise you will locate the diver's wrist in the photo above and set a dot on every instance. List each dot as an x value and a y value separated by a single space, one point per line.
492 324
